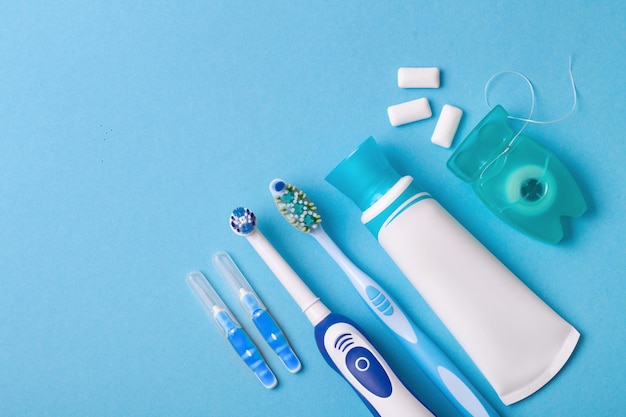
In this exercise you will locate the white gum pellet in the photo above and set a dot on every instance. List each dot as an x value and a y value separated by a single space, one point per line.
446 127
418 77
408 112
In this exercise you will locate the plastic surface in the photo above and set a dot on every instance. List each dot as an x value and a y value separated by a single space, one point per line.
230 327
523 183
516 340
254 307
349 352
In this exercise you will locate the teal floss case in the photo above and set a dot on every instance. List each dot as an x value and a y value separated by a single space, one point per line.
519 180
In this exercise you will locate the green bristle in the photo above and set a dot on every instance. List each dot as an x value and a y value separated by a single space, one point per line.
296 207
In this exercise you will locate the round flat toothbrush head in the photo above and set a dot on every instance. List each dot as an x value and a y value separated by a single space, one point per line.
295 206
242 221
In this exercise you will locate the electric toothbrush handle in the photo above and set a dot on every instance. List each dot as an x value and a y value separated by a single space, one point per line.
349 352
310 304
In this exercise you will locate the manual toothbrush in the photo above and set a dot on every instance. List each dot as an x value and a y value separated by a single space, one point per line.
344 346
300 211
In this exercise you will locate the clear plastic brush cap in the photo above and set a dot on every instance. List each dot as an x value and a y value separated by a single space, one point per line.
233 277
207 296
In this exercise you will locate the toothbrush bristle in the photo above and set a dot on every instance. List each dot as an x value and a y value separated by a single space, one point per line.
296 207
242 221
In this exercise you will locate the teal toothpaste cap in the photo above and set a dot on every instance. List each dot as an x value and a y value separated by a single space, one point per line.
364 176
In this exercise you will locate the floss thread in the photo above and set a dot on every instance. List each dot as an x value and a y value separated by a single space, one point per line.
527 119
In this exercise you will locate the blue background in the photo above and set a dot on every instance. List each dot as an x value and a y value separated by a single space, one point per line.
130 130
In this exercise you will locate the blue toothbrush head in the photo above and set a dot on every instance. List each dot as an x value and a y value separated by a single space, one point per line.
295 206
242 221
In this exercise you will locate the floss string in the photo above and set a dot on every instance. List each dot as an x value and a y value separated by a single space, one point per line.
527 119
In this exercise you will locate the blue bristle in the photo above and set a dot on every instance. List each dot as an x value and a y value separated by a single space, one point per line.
242 221
279 186
239 211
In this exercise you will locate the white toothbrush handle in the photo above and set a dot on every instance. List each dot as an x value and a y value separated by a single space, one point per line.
311 305
350 353
433 361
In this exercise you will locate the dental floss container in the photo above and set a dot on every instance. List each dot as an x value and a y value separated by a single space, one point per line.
516 340
517 178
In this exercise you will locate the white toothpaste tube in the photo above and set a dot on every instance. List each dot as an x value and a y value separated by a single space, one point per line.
516 340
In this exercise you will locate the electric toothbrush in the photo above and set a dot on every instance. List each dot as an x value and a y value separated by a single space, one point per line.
344 346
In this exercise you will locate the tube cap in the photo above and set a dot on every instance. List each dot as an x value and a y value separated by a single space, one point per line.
364 176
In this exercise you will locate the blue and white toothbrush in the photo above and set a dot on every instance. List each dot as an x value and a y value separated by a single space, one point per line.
300 211
256 310
230 327
344 346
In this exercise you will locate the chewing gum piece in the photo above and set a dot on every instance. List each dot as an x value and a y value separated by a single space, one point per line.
408 112
446 127
423 77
